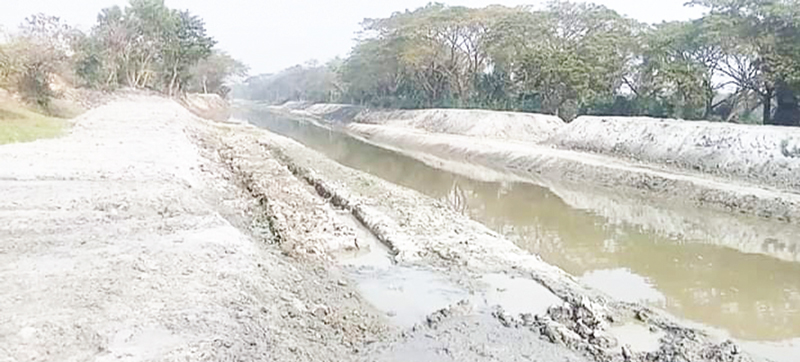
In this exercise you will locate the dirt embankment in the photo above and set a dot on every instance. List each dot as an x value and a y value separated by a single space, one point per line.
693 163
761 155
526 127
130 239
208 106
474 123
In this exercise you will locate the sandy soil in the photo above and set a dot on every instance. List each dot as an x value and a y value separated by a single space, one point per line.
208 106
526 127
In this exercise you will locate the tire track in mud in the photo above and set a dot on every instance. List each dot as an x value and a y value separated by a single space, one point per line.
308 232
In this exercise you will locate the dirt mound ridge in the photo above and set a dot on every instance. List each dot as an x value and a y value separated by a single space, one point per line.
527 127
209 106
763 155
336 112
296 105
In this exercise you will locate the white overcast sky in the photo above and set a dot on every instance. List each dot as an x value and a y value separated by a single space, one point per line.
269 35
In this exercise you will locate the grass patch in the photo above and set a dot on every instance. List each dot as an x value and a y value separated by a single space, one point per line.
20 124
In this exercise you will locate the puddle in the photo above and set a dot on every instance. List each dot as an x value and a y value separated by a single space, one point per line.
371 251
637 336
515 295
624 285
406 295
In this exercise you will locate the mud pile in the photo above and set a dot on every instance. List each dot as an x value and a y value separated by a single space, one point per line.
326 109
296 105
764 155
526 127
342 113
209 106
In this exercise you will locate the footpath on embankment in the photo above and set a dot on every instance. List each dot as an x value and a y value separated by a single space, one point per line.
128 239
147 233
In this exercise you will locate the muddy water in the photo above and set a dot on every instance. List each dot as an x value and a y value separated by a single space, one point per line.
754 298
409 294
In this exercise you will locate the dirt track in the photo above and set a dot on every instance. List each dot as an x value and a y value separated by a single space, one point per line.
149 234
127 241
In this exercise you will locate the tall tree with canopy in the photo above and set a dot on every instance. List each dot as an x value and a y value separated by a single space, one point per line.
210 74
146 45
186 45
771 32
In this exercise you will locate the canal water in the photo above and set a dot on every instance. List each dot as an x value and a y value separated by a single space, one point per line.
753 298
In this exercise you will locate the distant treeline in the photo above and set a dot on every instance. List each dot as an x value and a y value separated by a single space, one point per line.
144 45
740 62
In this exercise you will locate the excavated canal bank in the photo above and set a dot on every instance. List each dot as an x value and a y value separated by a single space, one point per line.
733 168
670 217
630 179
425 233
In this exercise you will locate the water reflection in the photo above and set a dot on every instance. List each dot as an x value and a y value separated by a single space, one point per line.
625 285
751 296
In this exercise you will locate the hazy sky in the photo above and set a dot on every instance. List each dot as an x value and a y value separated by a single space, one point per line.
270 35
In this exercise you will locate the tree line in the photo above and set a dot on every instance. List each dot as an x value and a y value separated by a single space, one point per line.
144 45
740 62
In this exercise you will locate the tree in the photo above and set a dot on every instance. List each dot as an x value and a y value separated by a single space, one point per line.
184 46
145 45
310 82
771 31
35 55
681 61
105 54
6 66
151 25
425 60
373 73
566 55
432 56
567 59
210 74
